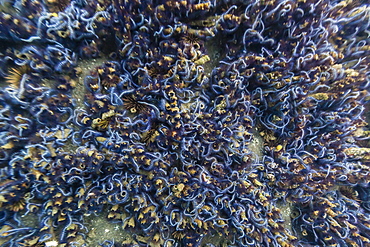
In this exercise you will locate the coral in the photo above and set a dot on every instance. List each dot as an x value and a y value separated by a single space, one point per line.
164 142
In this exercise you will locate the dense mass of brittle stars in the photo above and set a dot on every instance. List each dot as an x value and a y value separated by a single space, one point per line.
163 144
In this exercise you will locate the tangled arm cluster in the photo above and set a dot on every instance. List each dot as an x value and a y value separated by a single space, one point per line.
164 141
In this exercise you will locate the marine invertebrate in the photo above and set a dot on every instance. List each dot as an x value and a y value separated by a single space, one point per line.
133 105
164 143
15 75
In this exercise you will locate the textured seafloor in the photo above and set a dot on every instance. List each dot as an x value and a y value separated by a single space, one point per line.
184 123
